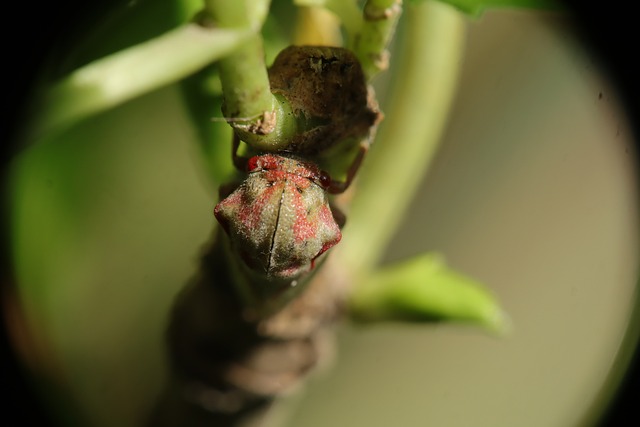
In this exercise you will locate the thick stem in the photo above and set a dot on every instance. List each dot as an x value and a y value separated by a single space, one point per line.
370 44
245 84
408 137
257 116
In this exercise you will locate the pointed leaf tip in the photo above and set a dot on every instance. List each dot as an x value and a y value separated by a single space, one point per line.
425 289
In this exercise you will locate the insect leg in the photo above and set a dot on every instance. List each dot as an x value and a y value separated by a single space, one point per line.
337 187
238 161
338 216
226 189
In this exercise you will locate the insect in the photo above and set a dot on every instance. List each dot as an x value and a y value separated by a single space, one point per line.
279 220
253 324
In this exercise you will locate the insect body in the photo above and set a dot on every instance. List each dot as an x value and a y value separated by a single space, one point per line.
279 219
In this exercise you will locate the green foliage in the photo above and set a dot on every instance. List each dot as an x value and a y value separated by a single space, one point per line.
203 100
426 289
112 80
476 7
137 68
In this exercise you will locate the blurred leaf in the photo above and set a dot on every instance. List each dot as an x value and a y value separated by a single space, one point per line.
425 289
348 11
117 78
428 57
276 34
106 220
203 99
202 93
185 10
476 7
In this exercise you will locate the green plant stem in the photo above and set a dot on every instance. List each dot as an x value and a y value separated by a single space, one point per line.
347 10
430 58
370 44
243 73
245 82
117 78
238 13
257 116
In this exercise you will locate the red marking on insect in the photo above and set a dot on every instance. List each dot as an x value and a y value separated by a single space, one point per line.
279 219
253 164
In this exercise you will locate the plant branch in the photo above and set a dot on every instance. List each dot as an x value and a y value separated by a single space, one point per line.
370 44
243 73
408 138
261 119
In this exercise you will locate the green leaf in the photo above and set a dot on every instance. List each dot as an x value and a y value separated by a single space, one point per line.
203 98
131 72
476 7
424 289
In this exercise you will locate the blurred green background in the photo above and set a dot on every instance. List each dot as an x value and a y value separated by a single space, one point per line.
533 193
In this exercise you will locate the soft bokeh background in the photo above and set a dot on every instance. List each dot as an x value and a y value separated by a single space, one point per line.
533 192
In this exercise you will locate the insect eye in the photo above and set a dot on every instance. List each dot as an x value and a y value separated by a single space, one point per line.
325 179
253 164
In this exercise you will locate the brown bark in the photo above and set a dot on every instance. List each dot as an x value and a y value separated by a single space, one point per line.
227 370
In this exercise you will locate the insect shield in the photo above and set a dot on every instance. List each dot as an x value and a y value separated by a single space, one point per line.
279 219
329 98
